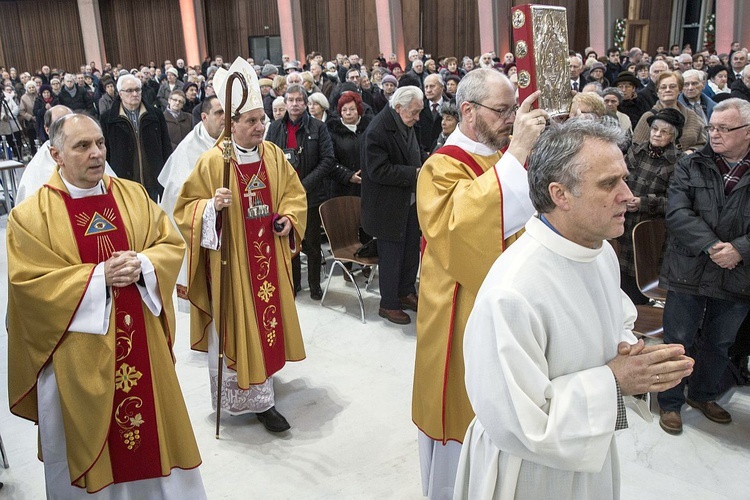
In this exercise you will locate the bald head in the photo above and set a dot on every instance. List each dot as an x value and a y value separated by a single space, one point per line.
77 146
53 113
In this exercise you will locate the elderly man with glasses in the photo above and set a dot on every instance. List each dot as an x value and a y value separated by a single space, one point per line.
136 136
706 264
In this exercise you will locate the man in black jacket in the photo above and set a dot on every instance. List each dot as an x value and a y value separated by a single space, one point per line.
429 126
391 159
309 149
707 264
648 93
75 96
136 136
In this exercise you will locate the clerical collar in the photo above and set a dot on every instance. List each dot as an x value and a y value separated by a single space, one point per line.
76 192
245 155
243 150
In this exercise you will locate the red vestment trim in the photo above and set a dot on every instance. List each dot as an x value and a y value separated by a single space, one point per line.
461 155
133 433
262 263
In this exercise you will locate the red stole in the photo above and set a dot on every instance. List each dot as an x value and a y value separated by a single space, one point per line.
262 263
133 438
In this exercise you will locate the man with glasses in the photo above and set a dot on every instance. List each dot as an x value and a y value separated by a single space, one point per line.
136 136
472 202
706 263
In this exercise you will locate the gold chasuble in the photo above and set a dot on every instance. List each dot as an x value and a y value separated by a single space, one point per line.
461 217
263 329
123 412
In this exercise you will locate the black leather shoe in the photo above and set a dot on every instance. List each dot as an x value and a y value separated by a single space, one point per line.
316 293
273 421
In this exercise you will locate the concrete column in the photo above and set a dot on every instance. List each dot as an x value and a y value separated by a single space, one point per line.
290 23
91 29
193 31
391 29
597 28
494 27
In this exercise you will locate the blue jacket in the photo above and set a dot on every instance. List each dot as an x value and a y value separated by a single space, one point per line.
706 103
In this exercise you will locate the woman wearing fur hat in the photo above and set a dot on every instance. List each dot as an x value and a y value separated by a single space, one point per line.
650 166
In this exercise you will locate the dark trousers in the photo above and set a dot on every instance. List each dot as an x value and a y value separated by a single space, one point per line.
311 247
398 264
718 321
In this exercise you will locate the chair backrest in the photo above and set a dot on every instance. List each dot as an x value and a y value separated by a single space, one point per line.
341 217
648 249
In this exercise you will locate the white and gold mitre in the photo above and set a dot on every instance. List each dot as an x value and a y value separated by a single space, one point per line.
254 97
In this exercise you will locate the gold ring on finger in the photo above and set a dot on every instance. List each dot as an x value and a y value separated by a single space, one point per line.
657 378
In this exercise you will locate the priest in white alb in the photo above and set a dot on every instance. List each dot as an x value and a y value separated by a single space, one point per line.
548 347
179 165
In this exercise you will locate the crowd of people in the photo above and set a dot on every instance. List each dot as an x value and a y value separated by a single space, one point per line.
451 169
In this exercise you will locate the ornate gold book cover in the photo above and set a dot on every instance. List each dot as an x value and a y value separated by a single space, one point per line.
540 35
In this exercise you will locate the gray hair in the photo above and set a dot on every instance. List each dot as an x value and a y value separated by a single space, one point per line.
694 72
742 106
296 89
279 100
320 98
404 96
474 88
437 77
57 135
554 157
127 78
613 91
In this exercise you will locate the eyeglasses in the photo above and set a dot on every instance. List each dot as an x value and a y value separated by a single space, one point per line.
131 91
723 129
504 113
670 87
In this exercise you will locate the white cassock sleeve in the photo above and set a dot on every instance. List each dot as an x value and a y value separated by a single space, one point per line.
566 422
209 235
92 315
514 182
149 292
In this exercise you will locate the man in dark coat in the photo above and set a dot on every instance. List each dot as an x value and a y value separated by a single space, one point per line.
391 159
648 93
741 86
136 137
309 149
75 96
706 264
429 125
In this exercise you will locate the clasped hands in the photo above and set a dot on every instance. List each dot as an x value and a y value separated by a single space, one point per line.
122 269
725 255
639 369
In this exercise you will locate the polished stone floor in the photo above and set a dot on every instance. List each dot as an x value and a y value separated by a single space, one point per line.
352 436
